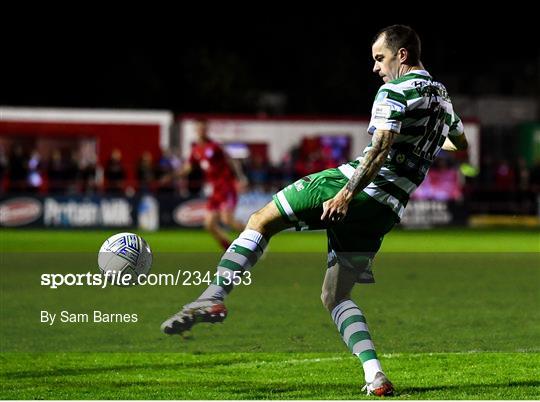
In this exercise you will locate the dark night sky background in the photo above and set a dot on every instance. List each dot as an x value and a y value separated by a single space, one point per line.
203 63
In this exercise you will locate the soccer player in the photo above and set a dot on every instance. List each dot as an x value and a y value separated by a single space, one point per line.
220 175
412 119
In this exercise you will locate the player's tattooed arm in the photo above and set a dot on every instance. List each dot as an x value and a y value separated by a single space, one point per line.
371 163
335 209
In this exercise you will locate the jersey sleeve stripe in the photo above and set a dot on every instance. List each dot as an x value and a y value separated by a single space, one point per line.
395 96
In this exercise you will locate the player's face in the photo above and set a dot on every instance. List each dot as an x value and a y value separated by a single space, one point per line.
387 64
201 131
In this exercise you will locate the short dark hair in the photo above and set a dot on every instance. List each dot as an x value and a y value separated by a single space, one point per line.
402 36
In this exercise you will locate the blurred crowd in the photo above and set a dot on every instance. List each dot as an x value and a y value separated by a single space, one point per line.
498 186
68 172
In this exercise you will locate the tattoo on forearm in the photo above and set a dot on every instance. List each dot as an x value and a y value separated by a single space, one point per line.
372 161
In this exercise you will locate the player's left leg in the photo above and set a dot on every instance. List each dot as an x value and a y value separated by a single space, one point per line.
243 254
297 205
246 250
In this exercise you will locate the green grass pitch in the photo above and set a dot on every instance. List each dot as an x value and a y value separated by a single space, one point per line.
455 314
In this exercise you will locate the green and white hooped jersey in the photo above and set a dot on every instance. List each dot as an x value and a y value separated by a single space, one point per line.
420 111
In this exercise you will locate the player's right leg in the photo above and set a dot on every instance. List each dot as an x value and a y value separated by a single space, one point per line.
243 253
351 322
352 246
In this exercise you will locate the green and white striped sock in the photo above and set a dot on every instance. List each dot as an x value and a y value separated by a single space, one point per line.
241 255
353 329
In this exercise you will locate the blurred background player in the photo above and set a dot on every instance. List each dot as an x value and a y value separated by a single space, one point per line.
223 177
412 119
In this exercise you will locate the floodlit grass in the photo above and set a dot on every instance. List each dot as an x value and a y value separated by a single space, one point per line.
264 376
440 240
454 315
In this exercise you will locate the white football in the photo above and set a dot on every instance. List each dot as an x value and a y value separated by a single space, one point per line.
123 257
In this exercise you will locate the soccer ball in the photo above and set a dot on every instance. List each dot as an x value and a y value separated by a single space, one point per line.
123 257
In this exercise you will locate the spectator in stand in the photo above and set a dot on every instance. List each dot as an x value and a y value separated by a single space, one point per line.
87 171
115 174
71 173
34 179
145 172
56 172
18 170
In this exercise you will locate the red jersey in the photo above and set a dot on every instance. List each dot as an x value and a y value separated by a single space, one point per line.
212 160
